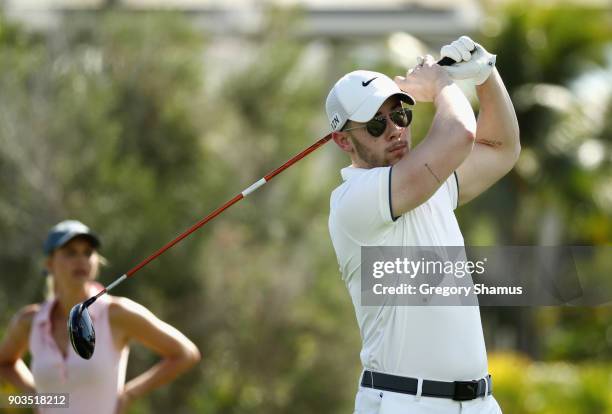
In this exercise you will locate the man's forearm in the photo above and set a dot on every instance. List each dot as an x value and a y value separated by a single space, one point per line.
451 136
497 125
452 103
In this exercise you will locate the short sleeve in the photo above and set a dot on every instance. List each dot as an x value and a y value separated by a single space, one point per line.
362 209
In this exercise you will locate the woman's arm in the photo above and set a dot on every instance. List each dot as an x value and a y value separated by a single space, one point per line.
178 353
13 346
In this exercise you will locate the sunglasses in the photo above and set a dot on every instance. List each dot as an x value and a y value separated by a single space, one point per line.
378 125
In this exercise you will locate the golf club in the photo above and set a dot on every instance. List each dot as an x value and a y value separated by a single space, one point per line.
80 326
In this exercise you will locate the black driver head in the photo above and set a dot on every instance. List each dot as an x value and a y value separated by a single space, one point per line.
81 331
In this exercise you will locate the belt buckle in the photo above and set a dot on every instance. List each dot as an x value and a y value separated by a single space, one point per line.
465 390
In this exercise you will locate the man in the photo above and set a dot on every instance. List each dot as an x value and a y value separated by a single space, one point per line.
418 359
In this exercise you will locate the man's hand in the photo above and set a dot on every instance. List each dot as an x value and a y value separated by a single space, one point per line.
473 61
425 81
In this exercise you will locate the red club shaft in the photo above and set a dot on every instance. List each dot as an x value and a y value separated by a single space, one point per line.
229 203
444 62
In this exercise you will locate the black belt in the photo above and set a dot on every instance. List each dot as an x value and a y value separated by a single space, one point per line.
457 390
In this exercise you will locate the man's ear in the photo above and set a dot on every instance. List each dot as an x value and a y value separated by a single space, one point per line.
342 140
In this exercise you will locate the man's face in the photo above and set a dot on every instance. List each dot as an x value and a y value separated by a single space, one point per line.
387 149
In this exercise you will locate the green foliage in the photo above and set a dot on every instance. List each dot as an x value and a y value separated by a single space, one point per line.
526 387
551 43
99 123
540 53
127 144
275 303
111 120
551 197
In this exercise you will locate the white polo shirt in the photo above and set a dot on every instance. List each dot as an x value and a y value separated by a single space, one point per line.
442 343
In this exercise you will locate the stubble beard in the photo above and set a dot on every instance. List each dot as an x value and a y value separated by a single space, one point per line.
366 155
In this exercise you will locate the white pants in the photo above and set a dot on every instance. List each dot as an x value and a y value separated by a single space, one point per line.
373 401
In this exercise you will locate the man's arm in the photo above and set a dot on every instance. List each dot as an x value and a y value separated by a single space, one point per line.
497 145
417 176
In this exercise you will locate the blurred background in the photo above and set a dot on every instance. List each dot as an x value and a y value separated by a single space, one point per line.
138 117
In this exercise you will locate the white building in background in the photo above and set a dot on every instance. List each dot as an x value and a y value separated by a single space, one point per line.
367 29
433 21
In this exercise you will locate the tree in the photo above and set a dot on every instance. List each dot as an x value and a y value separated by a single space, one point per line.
100 123
548 198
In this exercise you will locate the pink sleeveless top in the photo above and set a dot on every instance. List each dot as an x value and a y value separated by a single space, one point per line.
93 385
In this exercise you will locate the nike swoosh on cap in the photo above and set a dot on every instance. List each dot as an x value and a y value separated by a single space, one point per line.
368 82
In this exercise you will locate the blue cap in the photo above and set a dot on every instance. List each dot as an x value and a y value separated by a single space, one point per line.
63 232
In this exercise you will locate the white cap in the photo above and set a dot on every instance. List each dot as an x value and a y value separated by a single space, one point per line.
359 95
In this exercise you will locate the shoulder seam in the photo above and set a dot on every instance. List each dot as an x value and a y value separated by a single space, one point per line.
390 201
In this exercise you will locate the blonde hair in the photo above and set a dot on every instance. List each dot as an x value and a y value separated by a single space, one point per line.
49 287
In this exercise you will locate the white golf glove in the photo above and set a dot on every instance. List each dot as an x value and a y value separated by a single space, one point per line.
476 66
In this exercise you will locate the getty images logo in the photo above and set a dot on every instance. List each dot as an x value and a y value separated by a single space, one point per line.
335 120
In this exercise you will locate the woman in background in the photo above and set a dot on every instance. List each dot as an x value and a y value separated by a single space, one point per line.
97 385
